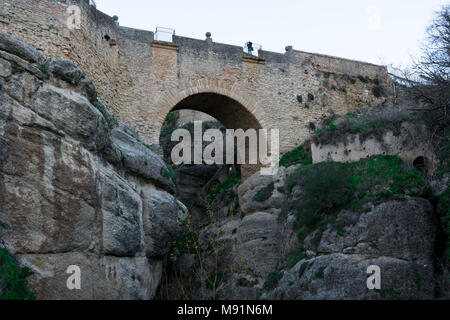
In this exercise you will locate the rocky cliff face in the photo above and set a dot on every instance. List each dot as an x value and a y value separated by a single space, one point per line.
260 253
77 187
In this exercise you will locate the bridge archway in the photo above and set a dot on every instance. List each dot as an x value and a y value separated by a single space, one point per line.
219 99
223 104
231 113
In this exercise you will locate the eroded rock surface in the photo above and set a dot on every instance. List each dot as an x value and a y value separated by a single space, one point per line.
76 187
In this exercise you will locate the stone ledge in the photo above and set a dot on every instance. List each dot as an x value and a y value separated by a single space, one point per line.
252 59
165 45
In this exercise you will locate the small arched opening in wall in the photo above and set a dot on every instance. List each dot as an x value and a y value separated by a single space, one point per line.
420 163
227 112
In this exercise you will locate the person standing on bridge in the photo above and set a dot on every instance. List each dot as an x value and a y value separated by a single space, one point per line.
249 47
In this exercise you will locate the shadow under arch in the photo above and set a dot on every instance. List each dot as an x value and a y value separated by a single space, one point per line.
230 112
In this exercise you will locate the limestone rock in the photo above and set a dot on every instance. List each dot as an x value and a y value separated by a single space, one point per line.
47 187
258 243
73 114
438 187
344 277
19 48
250 187
402 229
162 217
69 72
64 200
102 278
140 160
122 212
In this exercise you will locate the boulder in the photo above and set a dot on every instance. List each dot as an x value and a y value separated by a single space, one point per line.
19 48
69 72
140 160
344 277
102 278
404 229
163 215
73 194
73 114
258 243
250 187
439 186
47 187
121 209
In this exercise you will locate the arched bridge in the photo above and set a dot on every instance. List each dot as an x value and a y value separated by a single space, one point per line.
143 79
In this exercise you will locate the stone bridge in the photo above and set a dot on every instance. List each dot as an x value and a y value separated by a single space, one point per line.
142 80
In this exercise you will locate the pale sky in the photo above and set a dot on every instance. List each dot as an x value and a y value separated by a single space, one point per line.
377 31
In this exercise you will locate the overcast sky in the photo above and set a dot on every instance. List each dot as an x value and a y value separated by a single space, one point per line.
377 31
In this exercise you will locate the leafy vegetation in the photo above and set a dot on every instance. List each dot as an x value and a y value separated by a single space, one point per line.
329 187
302 155
320 274
169 126
225 191
272 279
265 193
188 243
294 257
242 282
365 122
13 279
44 71
110 118
168 173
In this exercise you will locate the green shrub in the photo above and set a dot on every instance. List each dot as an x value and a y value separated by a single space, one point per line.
13 279
320 273
100 107
242 282
265 193
302 155
302 234
187 244
325 186
294 257
169 126
168 173
44 71
224 191
329 187
272 279
290 186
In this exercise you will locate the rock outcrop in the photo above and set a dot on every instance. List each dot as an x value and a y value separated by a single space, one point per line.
79 188
397 236
258 252
76 186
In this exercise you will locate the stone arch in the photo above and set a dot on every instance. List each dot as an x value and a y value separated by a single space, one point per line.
220 99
